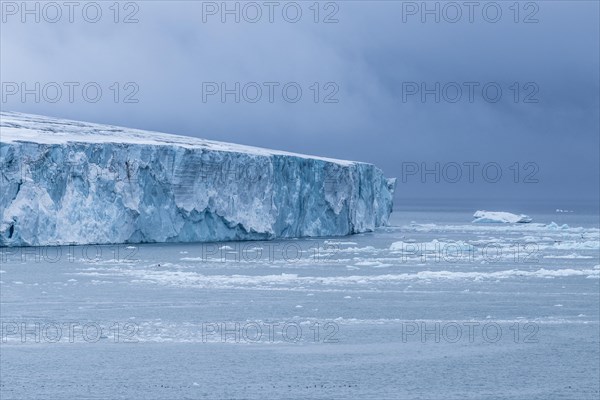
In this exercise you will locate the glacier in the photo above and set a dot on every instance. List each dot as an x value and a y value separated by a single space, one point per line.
69 182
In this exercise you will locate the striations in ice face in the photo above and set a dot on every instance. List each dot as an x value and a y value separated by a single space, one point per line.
66 182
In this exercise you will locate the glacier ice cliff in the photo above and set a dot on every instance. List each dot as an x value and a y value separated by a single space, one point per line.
68 182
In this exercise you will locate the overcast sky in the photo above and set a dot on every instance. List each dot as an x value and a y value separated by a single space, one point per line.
370 61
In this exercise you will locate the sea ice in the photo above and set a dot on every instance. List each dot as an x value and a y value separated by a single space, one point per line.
500 217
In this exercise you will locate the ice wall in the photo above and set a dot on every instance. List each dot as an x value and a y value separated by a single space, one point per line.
69 182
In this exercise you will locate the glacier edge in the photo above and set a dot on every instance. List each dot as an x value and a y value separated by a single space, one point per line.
67 182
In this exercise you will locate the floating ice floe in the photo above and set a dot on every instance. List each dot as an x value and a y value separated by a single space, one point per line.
500 217
554 225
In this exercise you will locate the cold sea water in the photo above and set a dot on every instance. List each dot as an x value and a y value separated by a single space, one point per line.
432 306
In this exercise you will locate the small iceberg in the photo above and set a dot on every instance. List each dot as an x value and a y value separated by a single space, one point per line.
487 217
554 225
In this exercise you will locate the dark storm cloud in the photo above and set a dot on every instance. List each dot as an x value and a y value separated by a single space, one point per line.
372 57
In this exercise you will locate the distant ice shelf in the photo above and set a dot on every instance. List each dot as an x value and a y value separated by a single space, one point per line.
67 182
500 217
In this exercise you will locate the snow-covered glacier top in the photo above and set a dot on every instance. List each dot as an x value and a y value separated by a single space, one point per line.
66 182
19 127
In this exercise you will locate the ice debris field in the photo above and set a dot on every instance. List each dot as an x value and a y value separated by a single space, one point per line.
417 309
